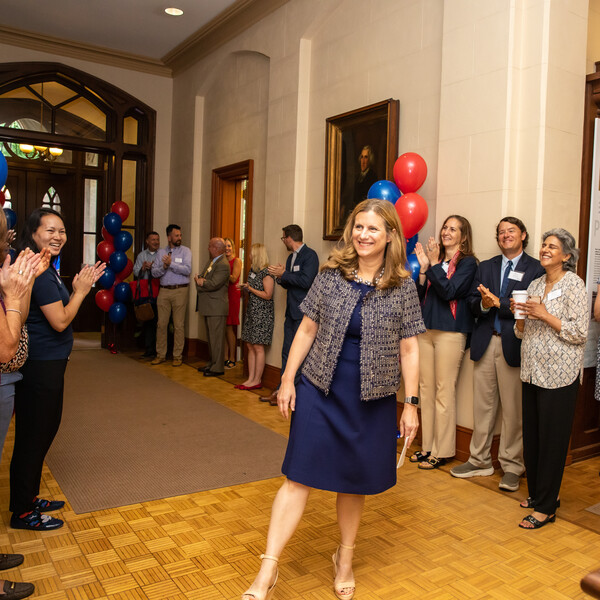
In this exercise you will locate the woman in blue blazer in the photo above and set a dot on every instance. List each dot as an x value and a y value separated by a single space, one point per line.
447 269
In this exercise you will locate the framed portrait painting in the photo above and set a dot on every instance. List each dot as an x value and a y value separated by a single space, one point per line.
361 147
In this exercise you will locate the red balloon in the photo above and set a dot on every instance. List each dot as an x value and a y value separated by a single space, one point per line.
121 209
104 299
413 212
107 237
410 172
126 272
104 250
2 198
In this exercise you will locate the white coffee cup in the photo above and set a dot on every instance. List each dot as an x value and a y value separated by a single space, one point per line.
521 297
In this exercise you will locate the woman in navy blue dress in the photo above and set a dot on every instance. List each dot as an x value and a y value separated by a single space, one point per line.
361 317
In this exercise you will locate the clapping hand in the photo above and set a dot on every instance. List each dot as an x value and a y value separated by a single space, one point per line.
433 251
16 279
421 257
85 279
488 300
276 270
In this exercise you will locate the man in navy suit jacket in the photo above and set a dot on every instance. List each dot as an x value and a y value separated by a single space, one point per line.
300 270
496 352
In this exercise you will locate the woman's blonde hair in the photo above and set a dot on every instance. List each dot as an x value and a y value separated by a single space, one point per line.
259 259
231 242
345 258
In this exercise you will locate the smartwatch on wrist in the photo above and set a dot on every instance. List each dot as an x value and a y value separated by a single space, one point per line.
414 400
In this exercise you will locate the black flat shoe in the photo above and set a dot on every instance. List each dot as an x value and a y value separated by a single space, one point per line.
16 591
213 373
419 456
10 561
535 523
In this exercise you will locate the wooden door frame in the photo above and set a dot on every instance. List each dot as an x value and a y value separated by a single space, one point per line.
229 173
579 450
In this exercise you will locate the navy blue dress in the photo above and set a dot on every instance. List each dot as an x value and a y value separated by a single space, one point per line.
338 442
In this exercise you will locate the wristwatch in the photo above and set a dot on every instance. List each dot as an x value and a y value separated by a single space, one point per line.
414 400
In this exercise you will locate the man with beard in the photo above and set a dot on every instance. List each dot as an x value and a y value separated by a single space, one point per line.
296 277
173 266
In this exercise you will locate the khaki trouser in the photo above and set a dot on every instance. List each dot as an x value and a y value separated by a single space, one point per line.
441 354
171 301
495 383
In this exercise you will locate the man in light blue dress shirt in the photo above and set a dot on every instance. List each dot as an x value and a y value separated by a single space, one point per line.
173 266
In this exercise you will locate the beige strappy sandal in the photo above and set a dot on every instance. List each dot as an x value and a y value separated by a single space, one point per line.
248 595
339 587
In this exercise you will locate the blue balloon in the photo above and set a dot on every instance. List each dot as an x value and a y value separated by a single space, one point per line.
117 261
413 266
411 242
122 241
385 190
112 223
117 312
122 292
108 278
3 170
11 218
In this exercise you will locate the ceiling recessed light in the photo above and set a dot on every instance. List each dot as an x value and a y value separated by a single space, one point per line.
174 12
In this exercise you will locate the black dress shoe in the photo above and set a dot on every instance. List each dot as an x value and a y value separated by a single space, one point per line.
16 591
9 561
203 369
213 373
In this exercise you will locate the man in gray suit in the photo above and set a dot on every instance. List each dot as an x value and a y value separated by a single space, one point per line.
213 304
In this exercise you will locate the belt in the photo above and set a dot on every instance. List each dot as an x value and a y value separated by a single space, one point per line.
496 333
175 287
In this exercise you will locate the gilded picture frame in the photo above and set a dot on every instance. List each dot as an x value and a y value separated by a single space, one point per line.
361 147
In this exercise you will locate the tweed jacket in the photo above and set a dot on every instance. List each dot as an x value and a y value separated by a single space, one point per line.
387 317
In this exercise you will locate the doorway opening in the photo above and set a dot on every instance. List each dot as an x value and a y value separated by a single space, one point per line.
231 214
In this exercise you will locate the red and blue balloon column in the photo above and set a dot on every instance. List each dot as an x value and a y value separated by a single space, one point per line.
112 250
410 172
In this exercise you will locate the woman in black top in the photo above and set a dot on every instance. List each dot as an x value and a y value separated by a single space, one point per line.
39 396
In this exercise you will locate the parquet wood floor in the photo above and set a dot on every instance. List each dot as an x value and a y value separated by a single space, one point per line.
429 538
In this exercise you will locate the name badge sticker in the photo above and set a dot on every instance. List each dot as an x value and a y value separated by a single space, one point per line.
554 294
252 275
516 275
296 268
179 260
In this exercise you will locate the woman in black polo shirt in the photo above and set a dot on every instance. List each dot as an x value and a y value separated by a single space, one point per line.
39 396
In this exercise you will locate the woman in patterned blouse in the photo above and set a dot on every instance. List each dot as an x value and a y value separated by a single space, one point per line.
554 332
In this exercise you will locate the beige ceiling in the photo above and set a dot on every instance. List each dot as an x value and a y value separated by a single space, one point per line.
135 34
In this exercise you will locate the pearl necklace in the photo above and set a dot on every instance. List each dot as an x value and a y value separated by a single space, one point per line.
373 283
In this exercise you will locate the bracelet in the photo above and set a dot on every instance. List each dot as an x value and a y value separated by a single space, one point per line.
13 310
